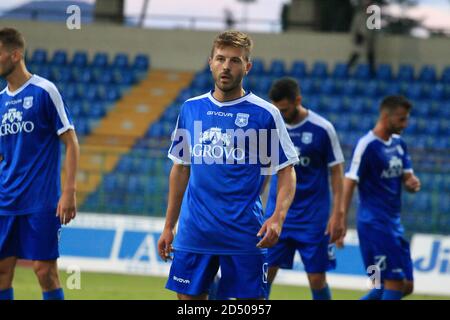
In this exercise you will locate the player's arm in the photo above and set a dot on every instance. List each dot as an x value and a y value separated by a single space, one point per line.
411 182
349 189
67 205
178 180
336 225
271 229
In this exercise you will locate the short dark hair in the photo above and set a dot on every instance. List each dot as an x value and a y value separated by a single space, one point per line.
235 39
391 103
284 88
12 38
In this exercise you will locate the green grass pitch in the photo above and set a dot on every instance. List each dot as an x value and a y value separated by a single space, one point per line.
103 286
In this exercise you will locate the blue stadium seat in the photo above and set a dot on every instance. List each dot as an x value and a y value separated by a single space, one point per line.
257 67
328 87
393 88
384 72
371 89
141 62
100 60
437 92
340 71
350 88
414 91
104 77
202 82
39 56
124 77
445 78
319 70
61 74
427 74
277 68
120 61
405 73
59 58
80 59
307 86
82 75
298 69
362 72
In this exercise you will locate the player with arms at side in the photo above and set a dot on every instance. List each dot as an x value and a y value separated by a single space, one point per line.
309 227
380 167
34 119
215 188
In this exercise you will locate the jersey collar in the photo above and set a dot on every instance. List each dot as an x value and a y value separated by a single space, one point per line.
228 103
12 94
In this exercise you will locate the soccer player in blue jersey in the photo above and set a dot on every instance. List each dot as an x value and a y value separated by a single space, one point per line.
220 161
309 228
34 119
380 167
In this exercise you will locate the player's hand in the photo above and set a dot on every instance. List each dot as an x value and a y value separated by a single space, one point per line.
67 207
412 184
165 244
271 229
336 228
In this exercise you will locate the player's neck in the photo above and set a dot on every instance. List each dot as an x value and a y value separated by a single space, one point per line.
224 96
18 77
301 115
381 132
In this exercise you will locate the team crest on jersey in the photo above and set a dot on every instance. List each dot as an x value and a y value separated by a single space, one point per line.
27 102
242 119
214 136
307 137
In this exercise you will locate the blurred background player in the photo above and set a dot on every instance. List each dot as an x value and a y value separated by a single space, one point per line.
380 166
222 221
34 121
308 227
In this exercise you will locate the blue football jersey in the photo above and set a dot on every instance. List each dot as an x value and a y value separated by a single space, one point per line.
229 147
378 167
32 118
318 147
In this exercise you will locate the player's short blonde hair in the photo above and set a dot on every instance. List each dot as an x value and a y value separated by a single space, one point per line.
12 38
235 39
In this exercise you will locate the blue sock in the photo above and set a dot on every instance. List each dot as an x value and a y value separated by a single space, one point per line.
322 294
7 294
392 295
374 294
57 294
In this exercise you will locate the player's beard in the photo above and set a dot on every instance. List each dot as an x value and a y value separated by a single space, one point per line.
7 69
233 83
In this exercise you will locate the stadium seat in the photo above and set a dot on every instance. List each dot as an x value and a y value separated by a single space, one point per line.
39 57
445 78
277 68
298 69
100 60
319 70
340 71
59 58
141 62
80 59
405 73
120 61
362 72
384 72
427 74
257 67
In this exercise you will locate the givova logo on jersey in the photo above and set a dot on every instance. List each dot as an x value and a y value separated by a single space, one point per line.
12 123
395 168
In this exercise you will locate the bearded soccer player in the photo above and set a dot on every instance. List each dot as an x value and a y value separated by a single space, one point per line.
381 167
216 180
312 225
32 208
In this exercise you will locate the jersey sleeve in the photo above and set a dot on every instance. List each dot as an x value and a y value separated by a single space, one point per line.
333 147
281 149
57 111
358 165
179 151
406 159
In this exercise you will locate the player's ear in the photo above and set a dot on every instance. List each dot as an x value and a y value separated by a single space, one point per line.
298 100
209 62
248 67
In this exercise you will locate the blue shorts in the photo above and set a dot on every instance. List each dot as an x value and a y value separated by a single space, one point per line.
30 237
317 257
389 252
243 276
